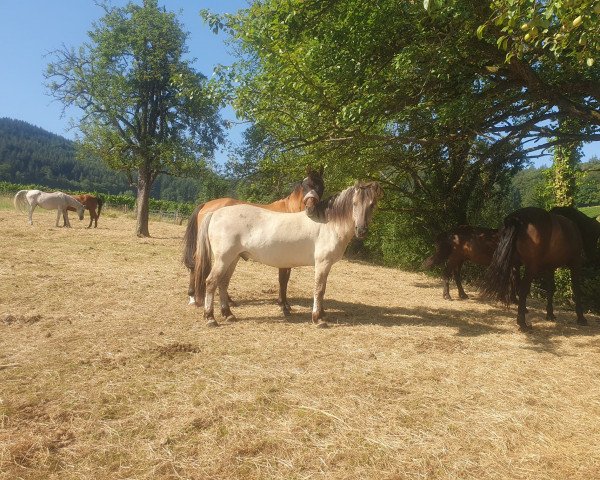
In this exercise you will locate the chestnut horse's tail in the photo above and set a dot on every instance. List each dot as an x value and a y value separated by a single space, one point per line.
203 261
20 200
443 249
100 203
190 238
499 278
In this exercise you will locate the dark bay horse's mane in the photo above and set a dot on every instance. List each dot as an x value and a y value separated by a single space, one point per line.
339 206
588 228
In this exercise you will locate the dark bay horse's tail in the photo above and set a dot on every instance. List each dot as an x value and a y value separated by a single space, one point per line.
499 279
443 249
190 238
203 261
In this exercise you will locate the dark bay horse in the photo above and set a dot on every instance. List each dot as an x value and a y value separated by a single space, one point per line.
90 202
540 241
281 240
305 195
475 244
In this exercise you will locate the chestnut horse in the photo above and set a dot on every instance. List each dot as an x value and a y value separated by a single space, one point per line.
281 240
476 244
305 195
90 202
540 241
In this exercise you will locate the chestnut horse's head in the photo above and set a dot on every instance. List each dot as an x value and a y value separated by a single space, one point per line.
312 189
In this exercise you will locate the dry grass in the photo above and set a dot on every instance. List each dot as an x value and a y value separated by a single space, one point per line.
106 373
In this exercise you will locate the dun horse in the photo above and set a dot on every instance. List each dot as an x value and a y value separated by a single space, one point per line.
50 201
541 242
305 195
90 202
476 244
280 240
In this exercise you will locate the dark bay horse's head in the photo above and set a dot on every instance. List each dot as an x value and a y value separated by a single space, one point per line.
364 201
313 188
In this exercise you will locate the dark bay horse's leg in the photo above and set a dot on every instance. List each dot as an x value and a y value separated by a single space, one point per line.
524 288
550 285
576 286
321 272
457 278
284 278
447 273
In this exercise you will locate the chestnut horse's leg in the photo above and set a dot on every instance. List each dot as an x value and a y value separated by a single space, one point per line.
524 288
576 286
284 278
457 278
321 272
550 289
92 211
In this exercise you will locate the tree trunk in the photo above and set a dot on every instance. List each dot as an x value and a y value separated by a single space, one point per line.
143 196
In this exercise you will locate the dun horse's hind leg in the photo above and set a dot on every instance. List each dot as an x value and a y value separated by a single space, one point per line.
576 285
215 279
284 278
550 289
321 272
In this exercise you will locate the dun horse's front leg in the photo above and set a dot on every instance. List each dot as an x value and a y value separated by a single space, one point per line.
321 272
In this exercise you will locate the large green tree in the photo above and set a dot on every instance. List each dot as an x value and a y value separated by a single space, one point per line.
146 111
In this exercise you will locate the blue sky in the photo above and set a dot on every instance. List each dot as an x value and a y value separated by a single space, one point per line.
30 29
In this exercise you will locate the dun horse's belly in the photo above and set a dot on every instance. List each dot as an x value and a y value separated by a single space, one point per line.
283 256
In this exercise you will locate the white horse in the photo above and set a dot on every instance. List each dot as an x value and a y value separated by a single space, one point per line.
50 201
282 240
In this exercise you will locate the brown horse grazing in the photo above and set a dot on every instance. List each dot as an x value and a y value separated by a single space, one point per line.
541 242
306 195
476 244
90 203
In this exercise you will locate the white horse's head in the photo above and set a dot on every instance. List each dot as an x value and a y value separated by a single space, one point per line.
80 210
364 200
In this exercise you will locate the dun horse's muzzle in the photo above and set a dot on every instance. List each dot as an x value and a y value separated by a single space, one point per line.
361 232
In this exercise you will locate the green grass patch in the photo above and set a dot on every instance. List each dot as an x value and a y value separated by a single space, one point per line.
591 211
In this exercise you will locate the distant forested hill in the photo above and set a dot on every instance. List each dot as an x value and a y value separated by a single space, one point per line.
29 154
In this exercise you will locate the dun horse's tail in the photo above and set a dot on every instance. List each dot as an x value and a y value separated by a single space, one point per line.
190 238
443 249
100 203
20 200
203 261
499 279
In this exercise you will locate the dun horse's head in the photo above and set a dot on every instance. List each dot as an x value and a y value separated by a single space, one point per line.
312 189
364 201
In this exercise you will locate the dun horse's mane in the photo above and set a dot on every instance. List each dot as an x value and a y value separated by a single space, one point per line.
338 207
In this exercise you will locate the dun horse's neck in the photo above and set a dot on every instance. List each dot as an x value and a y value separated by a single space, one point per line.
338 214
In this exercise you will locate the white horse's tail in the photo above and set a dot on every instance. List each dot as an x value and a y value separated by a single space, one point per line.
203 260
20 200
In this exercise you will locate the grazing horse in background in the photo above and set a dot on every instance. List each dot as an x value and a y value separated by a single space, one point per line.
306 195
589 229
279 240
50 201
90 202
476 244
540 241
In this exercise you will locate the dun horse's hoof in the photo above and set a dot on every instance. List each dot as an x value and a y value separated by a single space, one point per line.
212 323
231 318
447 297
322 324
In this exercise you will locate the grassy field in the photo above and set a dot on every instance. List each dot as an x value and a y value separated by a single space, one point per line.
591 211
106 373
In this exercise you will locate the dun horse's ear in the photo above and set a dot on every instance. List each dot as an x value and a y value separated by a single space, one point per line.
308 170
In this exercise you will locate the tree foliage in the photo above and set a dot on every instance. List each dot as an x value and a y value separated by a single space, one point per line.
146 111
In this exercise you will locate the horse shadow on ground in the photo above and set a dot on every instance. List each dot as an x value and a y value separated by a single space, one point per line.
467 322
